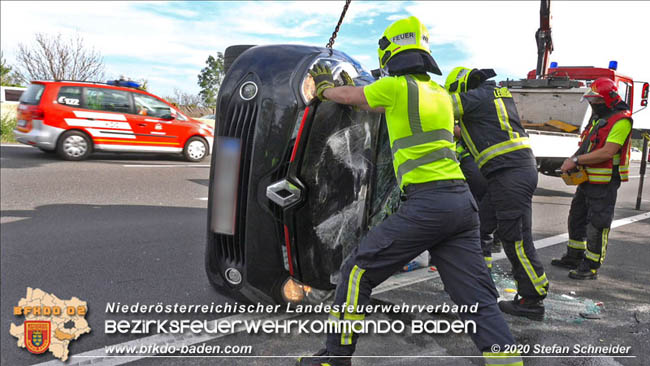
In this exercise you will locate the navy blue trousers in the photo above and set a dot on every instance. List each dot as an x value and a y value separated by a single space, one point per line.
510 193
441 219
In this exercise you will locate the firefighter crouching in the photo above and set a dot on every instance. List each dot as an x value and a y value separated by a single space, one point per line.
605 153
439 214
491 130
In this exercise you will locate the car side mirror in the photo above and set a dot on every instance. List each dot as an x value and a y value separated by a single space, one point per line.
168 117
644 95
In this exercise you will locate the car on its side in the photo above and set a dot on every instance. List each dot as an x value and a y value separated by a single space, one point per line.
294 183
75 118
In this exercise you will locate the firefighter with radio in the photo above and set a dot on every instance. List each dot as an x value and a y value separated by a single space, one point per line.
491 129
439 213
604 153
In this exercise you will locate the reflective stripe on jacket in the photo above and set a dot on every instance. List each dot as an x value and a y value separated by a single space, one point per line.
424 149
491 129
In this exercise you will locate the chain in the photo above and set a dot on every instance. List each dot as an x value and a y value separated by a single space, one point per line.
336 30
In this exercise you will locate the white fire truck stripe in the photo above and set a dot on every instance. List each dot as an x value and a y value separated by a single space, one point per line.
98 124
162 149
104 133
112 116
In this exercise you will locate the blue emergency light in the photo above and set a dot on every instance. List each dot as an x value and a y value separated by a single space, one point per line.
553 65
613 65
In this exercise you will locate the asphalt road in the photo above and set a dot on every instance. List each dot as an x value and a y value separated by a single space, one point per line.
131 228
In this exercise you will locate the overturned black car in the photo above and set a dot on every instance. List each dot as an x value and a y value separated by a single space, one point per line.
294 184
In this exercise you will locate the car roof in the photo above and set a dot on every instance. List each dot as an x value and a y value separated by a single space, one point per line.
98 84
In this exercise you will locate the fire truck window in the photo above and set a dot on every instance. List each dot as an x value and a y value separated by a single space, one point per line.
107 100
624 91
148 106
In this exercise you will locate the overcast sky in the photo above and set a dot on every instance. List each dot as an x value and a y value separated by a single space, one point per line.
167 43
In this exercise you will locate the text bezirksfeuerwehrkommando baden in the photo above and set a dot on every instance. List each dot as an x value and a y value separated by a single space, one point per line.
230 324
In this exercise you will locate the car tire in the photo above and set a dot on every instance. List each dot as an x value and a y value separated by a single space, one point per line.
231 55
74 145
196 149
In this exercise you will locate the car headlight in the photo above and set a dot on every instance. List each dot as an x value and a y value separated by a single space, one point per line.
295 292
308 88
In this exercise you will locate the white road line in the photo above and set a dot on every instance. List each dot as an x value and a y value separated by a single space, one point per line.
166 165
202 198
98 356
15 145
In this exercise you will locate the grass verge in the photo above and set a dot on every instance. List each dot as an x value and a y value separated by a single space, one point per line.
7 125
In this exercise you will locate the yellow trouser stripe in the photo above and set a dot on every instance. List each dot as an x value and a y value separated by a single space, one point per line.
577 244
488 261
352 300
595 257
605 239
538 281
502 359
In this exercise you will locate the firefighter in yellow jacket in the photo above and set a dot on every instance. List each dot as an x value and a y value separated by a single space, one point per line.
439 214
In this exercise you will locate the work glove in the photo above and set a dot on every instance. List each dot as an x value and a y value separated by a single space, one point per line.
347 80
322 78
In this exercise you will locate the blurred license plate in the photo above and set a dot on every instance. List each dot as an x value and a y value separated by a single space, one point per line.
226 180
21 123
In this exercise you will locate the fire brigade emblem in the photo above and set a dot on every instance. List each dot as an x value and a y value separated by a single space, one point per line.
37 335
158 126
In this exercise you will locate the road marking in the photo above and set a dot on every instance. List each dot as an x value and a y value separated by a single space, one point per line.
15 145
166 165
202 198
99 358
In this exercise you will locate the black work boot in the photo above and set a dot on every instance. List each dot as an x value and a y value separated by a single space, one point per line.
323 358
570 260
531 309
584 271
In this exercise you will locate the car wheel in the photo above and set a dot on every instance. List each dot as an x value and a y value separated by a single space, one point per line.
74 145
231 55
195 149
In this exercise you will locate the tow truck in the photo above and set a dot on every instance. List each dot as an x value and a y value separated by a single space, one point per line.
549 100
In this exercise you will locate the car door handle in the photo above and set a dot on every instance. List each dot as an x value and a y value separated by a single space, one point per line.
142 124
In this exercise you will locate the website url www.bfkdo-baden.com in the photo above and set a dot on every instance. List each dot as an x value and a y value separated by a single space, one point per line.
162 350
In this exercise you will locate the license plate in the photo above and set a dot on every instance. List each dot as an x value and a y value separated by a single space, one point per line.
21 123
227 156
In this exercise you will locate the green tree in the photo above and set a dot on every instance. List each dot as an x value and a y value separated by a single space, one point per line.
8 77
210 80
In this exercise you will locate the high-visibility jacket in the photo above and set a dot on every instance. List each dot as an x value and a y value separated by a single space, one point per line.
601 173
491 129
419 117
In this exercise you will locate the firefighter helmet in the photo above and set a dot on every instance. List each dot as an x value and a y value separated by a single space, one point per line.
457 80
403 35
606 89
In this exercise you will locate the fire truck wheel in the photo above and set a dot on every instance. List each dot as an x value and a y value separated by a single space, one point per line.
74 145
195 149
